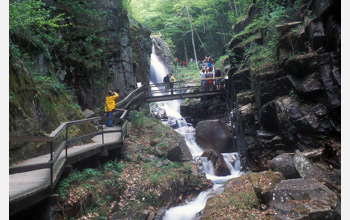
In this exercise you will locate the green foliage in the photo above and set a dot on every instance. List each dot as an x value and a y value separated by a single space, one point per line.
82 177
31 17
137 118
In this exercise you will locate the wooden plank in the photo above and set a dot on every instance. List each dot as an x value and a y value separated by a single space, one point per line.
183 96
82 121
30 139
29 167
80 138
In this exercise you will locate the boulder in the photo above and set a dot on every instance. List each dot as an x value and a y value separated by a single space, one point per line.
237 201
214 134
309 171
176 149
220 167
89 113
303 199
284 163
264 183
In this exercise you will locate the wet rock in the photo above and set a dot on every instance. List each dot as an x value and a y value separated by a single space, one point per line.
245 98
309 171
281 87
264 183
220 167
176 149
284 163
316 34
332 88
300 65
214 134
309 84
236 201
241 80
303 199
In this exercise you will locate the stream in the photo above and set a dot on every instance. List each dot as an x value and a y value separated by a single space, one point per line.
189 210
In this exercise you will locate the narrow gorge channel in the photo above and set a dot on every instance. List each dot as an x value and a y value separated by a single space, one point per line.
190 209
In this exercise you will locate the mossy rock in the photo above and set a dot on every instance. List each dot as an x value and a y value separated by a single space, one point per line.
264 183
238 201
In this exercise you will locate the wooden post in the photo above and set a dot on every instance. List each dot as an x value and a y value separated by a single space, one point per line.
66 141
51 176
51 147
103 140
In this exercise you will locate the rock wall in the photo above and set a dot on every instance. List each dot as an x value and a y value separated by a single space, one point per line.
294 102
53 83
163 51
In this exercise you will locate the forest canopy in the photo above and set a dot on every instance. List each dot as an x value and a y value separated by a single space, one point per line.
212 22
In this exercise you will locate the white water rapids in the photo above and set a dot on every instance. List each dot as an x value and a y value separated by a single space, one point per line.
172 108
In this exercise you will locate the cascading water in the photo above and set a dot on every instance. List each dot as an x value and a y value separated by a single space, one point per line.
172 109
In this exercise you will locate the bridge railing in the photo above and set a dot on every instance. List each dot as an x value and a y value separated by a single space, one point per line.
181 87
120 114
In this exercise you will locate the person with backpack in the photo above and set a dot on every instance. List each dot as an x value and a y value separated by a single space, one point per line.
109 106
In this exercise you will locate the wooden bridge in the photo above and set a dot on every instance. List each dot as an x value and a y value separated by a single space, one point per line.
35 179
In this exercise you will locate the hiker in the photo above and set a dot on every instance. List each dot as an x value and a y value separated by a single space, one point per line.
172 80
166 82
184 63
110 105
210 75
203 81
217 81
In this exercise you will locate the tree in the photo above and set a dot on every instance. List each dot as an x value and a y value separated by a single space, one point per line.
194 46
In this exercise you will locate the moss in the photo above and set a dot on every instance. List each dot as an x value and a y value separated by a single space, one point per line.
238 201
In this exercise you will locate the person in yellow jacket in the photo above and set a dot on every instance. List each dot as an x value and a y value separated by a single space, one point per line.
172 80
109 106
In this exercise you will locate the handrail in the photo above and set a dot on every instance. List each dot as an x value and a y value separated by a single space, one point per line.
64 144
123 106
127 98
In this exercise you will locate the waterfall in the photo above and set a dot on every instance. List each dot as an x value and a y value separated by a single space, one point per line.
172 109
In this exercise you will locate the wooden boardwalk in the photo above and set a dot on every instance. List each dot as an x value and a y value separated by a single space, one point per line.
27 188
35 179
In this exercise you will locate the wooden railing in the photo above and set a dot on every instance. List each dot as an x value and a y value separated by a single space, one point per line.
120 116
181 87
121 111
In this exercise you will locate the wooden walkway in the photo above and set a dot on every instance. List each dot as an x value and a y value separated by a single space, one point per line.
35 179
27 188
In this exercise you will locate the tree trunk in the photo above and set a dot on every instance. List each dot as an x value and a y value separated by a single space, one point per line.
229 2
185 48
200 40
194 46
234 2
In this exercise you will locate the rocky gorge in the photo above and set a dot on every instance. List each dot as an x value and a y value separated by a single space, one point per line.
281 115
287 119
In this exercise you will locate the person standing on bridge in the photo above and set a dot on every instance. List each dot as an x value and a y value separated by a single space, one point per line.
203 81
166 82
109 106
172 80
